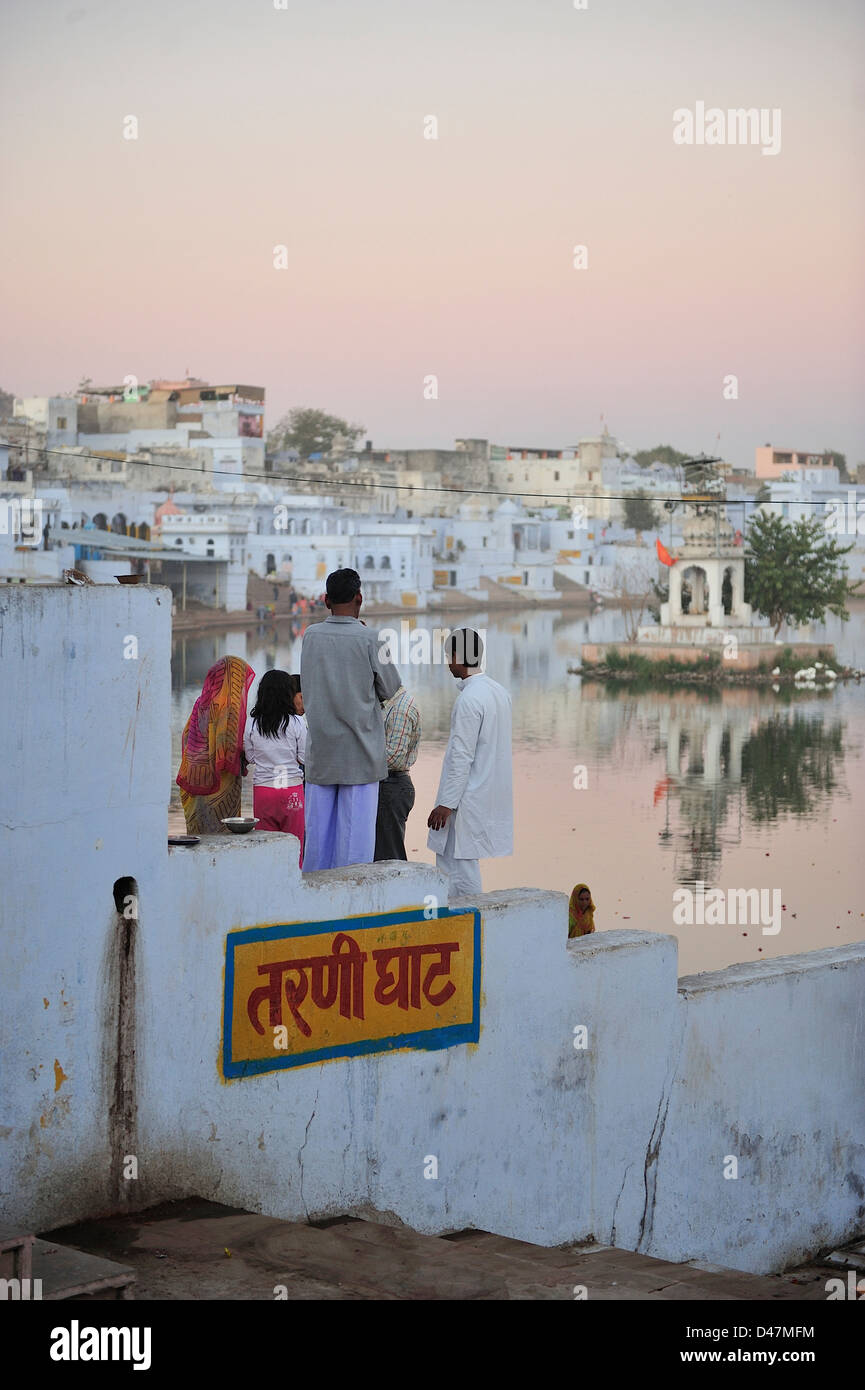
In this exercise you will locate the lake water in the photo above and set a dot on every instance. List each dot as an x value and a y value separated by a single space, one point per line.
641 794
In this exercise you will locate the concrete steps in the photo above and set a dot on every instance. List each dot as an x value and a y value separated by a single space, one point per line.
198 1249
55 1272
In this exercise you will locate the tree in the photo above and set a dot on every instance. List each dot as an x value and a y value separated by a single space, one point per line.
662 453
793 571
840 462
311 431
639 513
632 586
763 493
7 401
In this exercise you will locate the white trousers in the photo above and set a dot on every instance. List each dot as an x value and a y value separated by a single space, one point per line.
340 825
464 875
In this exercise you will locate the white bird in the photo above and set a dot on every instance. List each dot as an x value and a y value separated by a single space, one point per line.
776 671
830 675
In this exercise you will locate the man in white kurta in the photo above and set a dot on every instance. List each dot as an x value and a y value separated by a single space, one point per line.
473 818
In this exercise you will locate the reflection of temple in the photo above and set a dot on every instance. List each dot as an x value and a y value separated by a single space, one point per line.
704 745
736 758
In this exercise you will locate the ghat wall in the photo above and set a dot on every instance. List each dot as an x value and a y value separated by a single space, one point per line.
111 1026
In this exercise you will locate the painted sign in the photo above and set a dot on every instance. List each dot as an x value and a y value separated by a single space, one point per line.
312 991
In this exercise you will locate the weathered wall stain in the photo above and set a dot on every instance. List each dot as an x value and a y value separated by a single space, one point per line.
120 1035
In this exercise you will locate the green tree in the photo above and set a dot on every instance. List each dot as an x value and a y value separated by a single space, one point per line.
763 493
794 572
7 401
311 431
639 513
662 453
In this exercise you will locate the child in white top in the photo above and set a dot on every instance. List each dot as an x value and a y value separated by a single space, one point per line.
275 745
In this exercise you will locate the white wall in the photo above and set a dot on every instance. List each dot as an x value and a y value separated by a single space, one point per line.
623 1140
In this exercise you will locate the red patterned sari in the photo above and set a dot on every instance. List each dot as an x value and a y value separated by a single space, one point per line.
210 771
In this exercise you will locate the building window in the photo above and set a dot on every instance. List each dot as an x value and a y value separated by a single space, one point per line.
369 563
61 422
556 476
179 541
485 542
385 562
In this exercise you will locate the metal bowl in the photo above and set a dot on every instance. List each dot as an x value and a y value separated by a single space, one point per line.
240 825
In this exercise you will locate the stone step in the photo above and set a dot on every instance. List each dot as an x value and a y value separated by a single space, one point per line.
16 1253
67 1273
199 1249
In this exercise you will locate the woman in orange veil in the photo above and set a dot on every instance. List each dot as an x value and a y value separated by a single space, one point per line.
212 746
581 911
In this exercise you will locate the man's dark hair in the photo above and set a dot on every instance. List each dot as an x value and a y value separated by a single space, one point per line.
342 585
464 647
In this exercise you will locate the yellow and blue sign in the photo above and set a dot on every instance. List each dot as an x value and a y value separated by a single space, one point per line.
312 991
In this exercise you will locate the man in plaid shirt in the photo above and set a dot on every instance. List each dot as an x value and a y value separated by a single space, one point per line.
402 729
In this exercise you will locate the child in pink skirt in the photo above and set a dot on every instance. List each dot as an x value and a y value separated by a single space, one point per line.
275 744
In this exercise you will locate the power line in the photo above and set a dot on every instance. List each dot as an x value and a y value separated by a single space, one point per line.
562 497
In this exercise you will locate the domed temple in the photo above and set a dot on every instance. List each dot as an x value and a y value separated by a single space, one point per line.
706 606
705 612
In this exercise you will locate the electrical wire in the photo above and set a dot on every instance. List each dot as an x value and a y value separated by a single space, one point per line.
326 483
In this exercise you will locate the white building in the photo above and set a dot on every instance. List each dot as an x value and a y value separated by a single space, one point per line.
55 417
305 541
502 544
212 536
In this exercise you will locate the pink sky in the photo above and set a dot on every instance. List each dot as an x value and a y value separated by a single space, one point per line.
407 256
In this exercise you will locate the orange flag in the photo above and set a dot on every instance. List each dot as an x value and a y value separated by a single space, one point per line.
663 554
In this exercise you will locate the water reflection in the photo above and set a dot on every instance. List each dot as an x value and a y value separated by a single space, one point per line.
791 765
727 761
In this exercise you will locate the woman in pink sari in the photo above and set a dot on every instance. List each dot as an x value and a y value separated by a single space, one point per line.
212 747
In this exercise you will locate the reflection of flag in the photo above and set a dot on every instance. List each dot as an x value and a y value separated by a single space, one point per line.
661 790
663 554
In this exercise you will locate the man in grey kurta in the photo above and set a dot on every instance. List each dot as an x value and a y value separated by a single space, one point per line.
344 681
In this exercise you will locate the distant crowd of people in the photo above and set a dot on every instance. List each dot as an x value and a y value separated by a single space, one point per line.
331 751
